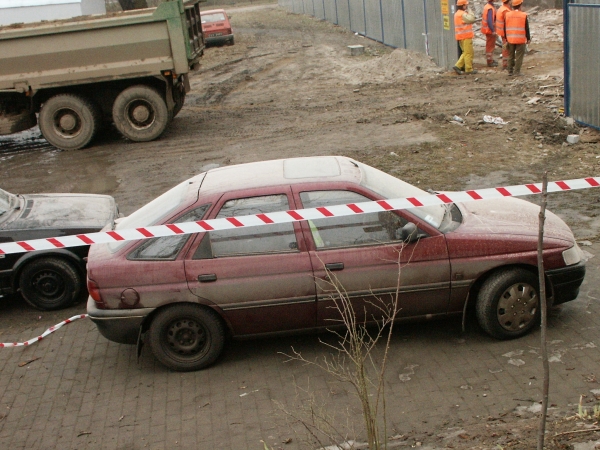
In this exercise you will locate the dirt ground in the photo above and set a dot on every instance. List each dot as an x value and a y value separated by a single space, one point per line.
289 87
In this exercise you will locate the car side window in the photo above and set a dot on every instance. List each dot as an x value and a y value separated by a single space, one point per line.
167 248
348 231
275 238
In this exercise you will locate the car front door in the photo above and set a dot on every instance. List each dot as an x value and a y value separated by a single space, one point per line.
261 278
363 258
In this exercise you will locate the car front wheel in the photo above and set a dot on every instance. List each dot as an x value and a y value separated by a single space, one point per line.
508 304
50 283
186 337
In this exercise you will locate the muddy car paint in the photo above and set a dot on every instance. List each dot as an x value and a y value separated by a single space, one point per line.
482 246
38 216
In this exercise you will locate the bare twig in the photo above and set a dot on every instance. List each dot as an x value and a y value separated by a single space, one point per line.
543 307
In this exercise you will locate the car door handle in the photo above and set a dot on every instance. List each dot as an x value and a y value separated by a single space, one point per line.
207 277
334 266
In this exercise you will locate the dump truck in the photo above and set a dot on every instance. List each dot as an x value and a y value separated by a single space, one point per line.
72 76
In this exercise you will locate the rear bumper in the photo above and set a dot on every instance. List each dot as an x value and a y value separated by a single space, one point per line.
118 325
566 282
216 40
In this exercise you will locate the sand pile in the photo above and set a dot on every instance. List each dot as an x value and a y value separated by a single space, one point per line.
388 68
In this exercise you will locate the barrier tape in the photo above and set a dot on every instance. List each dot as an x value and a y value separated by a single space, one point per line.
43 335
293 215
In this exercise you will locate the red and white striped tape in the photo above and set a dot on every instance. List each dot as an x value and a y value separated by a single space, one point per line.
294 216
43 335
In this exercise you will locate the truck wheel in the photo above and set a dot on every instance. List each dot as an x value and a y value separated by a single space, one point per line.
186 337
508 304
140 113
50 283
69 121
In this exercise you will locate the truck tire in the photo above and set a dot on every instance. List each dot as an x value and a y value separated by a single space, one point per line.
140 113
13 123
50 283
69 121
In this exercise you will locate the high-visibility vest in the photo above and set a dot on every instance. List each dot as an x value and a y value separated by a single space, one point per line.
462 30
500 18
484 24
515 27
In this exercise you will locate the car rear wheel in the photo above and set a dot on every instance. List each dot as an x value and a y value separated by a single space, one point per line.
508 304
50 283
186 337
140 113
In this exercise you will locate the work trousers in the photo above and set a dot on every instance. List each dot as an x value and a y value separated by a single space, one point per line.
490 45
504 53
465 62
515 57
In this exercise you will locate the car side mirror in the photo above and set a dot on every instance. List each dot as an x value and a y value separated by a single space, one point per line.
408 233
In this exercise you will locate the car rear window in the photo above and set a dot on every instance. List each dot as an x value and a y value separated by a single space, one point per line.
159 208
214 17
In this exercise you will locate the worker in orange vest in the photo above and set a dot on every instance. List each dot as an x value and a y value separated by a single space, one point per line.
488 28
500 19
516 30
463 32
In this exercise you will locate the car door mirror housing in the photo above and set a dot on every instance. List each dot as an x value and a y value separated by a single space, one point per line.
408 233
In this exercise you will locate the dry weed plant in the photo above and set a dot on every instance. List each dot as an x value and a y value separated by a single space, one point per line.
352 360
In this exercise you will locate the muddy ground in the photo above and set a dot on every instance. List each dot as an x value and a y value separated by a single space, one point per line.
289 87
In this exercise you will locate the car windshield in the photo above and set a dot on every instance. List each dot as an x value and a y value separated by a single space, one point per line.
214 17
151 213
391 187
6 200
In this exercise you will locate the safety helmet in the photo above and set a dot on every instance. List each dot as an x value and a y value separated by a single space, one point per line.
516 2
464 2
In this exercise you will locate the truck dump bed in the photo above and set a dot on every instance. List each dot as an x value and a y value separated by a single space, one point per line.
90 49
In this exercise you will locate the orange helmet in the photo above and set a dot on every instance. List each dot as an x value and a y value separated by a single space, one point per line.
516 2
464 2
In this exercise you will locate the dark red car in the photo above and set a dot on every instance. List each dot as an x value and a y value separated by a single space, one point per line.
188 292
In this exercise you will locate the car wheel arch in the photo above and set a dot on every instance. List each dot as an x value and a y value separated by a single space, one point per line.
219 312
28 258
478 283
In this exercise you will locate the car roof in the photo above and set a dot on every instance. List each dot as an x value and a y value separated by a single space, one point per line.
212 11
281 172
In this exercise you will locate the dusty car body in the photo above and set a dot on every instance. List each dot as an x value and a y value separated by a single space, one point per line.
49 279
216 27
188 292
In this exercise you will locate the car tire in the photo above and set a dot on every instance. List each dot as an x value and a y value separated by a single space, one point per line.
508 304
140 113
231 41
69 121
50 283
186 337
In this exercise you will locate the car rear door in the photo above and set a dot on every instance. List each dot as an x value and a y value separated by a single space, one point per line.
362 257
261 278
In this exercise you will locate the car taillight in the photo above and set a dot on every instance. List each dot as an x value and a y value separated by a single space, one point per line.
94 291
228 31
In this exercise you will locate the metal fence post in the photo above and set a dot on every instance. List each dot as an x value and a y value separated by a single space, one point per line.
381 20
566 65
365 16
